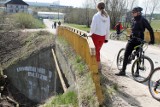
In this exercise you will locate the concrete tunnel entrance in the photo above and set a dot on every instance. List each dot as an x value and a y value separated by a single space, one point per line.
36 76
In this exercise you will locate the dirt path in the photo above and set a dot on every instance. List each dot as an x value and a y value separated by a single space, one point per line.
130 93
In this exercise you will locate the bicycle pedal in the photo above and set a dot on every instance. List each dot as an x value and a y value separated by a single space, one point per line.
136 74
156 92
129 62
141 68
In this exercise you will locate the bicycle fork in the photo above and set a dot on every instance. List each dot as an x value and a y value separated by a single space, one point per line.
140 63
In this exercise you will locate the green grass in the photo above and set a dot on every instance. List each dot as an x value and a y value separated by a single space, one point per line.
81 27
56 20
155 24
68 98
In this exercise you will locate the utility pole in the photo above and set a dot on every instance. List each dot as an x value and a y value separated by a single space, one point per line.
58 8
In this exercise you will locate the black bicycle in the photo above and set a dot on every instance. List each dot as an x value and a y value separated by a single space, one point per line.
142 66
121 36
154 84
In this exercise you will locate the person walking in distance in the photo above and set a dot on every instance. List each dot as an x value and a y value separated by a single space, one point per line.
55 25
100 29
59 23
139 23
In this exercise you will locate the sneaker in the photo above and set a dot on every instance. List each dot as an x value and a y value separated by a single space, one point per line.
121 73
136 74
129 62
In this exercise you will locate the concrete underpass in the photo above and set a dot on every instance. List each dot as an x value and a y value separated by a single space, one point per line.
36 77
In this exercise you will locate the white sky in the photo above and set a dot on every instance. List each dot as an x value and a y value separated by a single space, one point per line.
74 3
77 3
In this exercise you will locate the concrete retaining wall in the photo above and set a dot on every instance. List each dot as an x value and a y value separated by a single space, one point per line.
36 77
64 64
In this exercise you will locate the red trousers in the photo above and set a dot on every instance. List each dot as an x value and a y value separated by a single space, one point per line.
98 42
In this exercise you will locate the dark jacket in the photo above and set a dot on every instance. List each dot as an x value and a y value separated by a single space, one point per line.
118 28
139 23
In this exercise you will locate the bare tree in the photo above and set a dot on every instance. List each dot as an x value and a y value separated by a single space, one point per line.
96 2
116 9
146 3
89 5
132 3
153 5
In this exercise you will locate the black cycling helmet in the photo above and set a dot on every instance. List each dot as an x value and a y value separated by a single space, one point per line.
137 9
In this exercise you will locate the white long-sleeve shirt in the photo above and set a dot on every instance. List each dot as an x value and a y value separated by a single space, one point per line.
100 25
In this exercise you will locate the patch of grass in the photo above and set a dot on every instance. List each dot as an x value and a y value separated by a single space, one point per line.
115 86
32 42
155 24
68 98
79 65
78 59
81 27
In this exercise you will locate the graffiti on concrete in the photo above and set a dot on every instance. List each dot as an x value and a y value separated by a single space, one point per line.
36 72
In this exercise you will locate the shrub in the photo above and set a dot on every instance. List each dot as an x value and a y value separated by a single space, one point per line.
23 20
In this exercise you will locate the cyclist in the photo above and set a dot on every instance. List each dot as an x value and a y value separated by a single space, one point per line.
139 23
118 27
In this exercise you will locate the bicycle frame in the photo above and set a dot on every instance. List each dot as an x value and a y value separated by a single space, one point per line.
138 51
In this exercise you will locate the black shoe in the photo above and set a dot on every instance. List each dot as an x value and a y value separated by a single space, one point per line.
129 61
141 68
121 73
136 74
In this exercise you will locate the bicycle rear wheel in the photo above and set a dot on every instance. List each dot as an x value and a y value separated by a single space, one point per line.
113 35
154 84
142 69
120 58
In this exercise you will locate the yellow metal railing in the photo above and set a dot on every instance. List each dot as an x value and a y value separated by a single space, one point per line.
85 48
147 35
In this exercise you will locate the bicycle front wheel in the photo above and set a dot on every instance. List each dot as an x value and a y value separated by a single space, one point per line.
120 58
113 35
123 36
154 84
142 69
